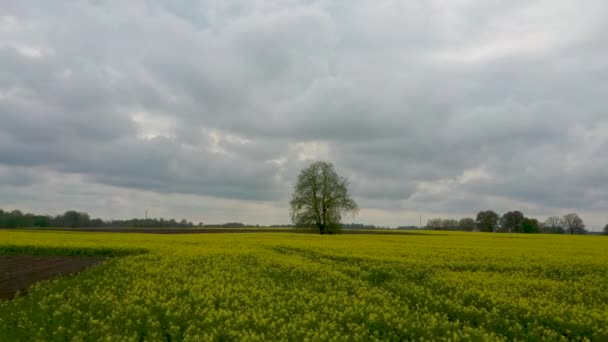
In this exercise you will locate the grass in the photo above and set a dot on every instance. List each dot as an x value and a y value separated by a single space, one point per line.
281 286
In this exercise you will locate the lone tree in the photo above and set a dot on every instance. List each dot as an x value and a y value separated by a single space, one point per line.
606 230
320 198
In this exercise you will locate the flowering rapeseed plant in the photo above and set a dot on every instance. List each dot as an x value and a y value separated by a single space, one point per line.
285 287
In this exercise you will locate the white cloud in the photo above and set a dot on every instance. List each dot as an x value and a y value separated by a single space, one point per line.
433 108
151 126
313 150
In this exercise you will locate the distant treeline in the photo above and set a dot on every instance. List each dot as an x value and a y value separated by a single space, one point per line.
361 226
512 222
231 225
289 225
486 221
75 219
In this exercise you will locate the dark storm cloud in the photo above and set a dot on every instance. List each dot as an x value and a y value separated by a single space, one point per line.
444 107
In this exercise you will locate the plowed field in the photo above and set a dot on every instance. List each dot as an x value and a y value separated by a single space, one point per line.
17 272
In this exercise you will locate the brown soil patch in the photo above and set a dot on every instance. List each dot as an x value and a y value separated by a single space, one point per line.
17 272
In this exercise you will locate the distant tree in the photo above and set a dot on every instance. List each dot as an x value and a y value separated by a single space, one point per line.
553 225
96 222
358 226
442 224
41 221
408 227
434 223
450 224
466 224
233 225
15 219
511 222
487 221
74 219
605 230
321 198
530 225
573 224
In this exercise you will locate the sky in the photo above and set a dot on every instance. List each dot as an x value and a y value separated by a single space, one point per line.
207 110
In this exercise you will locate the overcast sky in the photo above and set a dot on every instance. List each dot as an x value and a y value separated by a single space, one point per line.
207 110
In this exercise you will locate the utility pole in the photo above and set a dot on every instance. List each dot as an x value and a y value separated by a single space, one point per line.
420 226
146 214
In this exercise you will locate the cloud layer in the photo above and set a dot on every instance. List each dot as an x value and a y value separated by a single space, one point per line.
209 109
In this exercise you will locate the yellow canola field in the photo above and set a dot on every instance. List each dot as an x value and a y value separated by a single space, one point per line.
301 287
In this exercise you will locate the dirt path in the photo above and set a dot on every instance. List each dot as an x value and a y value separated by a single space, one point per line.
17 272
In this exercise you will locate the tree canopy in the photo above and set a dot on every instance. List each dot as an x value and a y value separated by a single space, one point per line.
487 221
511 222
553 225
573 224
321 198
530 225
466 224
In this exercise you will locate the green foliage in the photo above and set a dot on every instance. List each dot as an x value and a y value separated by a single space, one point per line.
487 221
442 224
511 222
75 219
293 287
530 225
321 198
466 224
